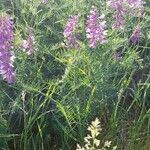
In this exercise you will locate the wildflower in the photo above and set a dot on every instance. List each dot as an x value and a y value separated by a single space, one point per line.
123 8
116 5
69 32
29 44
119 21
119 14
44 1
117 56
6 32
136 7
6 55
135 37
6 66
95 28
91 140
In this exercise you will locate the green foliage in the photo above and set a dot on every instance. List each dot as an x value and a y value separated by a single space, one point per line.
59 91
3 133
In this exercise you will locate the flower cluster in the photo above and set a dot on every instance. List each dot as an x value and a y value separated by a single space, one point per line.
6 55
136 7
122 8
69 32
119 20
95 28
28 44
96 25
119 15
6 32
135 37
6 65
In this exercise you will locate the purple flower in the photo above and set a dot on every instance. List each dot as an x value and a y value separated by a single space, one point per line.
95 28
135 37
70 34
29 44
123 8
136 7
6 66
6 32
116 5
117 56
119 14
119 20
44 1
6 55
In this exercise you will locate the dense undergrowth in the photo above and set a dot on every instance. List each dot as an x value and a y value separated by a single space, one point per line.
59 90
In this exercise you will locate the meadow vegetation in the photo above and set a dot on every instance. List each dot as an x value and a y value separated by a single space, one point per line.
64 63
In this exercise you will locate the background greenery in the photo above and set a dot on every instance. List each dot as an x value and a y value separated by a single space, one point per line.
59 91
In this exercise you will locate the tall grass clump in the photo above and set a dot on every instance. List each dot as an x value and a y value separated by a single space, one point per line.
64 63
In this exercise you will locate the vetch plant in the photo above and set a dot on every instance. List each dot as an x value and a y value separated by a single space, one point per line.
29 44
95 28
135 37
136 7
119 14
6 45
59 89
70 33
123 8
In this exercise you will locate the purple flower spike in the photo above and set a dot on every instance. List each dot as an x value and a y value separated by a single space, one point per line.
119 14
136 7
123 8
6 56
69 32
29 44
6 66
6 32
116 5
95 28
135 37
119 21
